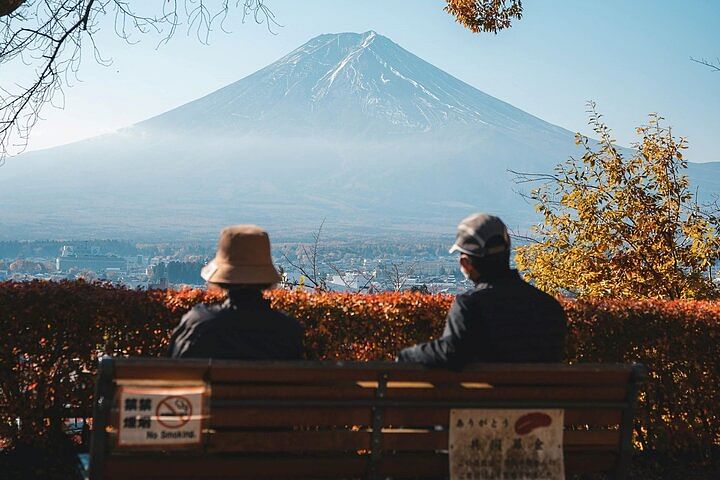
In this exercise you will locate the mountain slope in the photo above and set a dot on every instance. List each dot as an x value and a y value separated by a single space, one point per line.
349 127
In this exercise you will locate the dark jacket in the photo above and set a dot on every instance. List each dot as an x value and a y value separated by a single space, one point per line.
501 320
244 327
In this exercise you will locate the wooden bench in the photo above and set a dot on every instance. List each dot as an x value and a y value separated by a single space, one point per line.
356 420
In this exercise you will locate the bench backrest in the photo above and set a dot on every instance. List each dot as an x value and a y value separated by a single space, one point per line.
357 420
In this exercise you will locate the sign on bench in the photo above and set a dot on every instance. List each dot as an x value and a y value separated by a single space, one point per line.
502 444
161 417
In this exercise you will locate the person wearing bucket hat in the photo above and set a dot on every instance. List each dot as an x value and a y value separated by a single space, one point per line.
244 326
503 318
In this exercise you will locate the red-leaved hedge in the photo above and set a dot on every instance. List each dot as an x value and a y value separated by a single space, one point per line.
51 335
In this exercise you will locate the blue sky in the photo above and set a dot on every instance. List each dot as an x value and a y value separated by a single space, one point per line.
631 57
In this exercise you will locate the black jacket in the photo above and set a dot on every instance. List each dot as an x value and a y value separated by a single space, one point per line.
501 320
244 327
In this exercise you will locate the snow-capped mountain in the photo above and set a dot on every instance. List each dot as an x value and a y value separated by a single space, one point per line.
348 127
350 83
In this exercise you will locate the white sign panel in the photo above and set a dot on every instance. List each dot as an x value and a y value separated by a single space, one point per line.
492 444
160 416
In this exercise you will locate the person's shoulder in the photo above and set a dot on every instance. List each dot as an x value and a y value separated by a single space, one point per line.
539 293
477 293
201 313
473 296
543 297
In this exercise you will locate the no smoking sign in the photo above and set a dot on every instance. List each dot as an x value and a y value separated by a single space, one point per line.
160 415
174 411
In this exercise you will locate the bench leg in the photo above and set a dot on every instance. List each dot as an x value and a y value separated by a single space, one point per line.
101 413
622 470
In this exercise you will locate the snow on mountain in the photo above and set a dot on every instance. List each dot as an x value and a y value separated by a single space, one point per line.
350 83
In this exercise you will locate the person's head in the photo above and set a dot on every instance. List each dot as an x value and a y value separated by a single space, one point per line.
484 245
242 261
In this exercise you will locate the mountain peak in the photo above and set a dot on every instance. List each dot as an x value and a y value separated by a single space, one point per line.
350 83
350 36
370 35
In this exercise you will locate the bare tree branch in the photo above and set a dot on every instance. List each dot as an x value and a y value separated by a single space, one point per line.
520 236
44 40
367 277
397 275
369 280
713 65
309 261
528 177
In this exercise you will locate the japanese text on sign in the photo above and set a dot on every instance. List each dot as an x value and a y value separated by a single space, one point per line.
506 445
160 416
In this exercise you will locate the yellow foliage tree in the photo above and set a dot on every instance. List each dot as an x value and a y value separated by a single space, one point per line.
620 224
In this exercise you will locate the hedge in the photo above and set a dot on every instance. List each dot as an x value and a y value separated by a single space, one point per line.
52 334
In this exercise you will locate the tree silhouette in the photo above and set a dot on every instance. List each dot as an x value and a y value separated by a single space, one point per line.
713 65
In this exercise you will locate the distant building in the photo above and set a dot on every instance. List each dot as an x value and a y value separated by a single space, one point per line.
162 284
112 274
351 282
70 259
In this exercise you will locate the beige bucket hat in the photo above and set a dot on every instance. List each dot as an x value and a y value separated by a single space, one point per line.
242 257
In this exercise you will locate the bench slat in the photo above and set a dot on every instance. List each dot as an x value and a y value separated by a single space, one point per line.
233 391
406 417
406 440
137 467
508 393
516 377
413 417
413 392
499 377
436 466
424 465
265 417
328 441
150 371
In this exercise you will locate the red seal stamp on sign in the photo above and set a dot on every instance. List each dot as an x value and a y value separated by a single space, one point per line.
173 411
527 423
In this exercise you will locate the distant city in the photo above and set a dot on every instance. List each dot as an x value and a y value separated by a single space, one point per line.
372 265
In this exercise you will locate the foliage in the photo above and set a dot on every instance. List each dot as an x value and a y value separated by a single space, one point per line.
347 326
677 342
620 224
485 15
51 335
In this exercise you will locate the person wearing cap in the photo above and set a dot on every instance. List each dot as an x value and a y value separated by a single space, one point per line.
244 326
503 318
